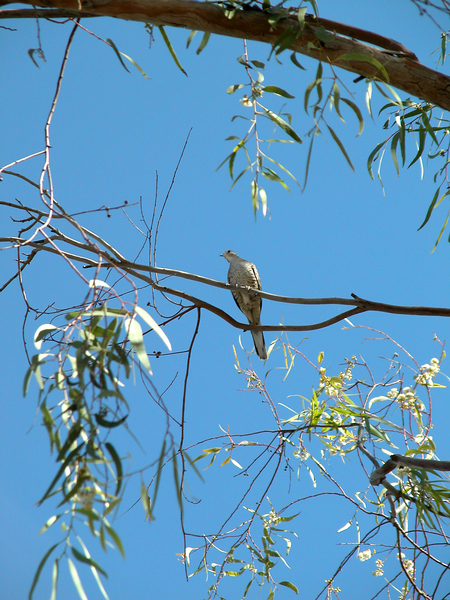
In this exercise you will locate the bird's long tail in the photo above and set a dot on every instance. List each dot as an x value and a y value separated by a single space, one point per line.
260 344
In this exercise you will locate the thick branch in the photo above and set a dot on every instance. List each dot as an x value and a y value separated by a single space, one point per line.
404 72
378 475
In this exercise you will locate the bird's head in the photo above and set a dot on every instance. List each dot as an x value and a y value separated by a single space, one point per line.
229 255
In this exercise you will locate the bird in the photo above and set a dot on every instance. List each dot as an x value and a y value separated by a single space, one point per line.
245 274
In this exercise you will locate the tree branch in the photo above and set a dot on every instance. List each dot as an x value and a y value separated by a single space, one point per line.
404 71
396 460
136 270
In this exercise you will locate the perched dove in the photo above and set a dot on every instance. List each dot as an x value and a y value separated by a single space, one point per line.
244 273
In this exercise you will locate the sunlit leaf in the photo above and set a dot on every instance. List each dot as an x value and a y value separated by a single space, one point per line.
154 325
273 89
117 463
282 123
295 61
203 43
94 283
190 38
289 585
39 570
134 334
394 142
430 209
373 156
41 332
233 88
76 579
87 560
357 112
440 235
170 47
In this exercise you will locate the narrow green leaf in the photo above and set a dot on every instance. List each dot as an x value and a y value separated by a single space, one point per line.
283 168
308 160
357 112
397 102
55 572
247 586
373 156
286 39
263 198
233 88
159 471
369 98
134 334
191 462
176 479
49 523
255 203
31 51
258 64
289 585
401 124
117 463
295 61
41 332
394 142
39 570
61 471
190 38
430 208
429 128
140 69
204 41
240 175
109 424
76 579
440 235
345 527
273 89
360 57
71 438
341 147
154 325
94 570
308 91
171 50
420 147
146 502
336 98
115 538
116 50
282 123
34 369
376 432
87 560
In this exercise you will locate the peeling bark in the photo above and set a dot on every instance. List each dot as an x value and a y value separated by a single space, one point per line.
404 71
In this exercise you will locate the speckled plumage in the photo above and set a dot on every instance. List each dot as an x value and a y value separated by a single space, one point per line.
244 273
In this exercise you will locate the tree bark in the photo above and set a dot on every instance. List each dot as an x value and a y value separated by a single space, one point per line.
403 70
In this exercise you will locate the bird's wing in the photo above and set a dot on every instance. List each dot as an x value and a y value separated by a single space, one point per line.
258 283
232 280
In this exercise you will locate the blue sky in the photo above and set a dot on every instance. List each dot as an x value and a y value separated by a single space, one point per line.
114 134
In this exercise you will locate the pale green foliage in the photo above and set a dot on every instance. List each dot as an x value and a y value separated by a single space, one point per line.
81 401
348 412
258 166
429 134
